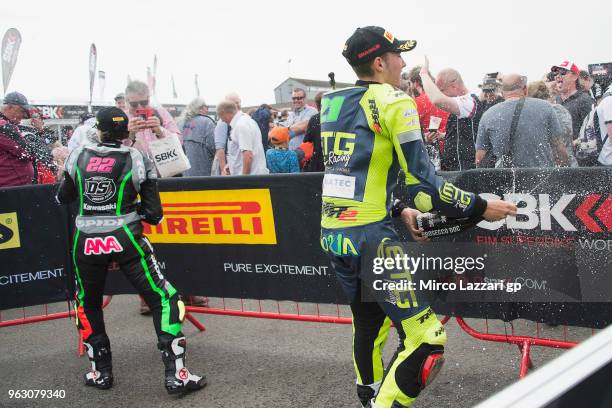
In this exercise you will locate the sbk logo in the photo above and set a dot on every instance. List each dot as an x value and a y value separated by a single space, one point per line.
166 155
603 212
52 112
102 245
593 211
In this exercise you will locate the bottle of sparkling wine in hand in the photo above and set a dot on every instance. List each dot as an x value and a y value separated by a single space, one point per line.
436 225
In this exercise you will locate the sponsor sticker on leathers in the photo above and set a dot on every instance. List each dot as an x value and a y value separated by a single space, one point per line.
336 185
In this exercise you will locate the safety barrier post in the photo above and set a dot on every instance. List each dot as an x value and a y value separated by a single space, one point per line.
523 342
52 316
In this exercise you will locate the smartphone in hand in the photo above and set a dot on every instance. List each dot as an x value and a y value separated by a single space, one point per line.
145 113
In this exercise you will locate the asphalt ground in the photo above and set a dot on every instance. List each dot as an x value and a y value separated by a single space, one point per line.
249 362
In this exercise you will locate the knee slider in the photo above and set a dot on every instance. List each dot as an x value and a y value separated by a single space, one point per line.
419 369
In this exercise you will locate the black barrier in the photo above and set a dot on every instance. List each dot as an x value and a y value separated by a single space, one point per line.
258 237
558 208
251 237
34 242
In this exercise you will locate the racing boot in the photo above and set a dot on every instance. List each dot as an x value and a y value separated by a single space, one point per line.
99 353
366 393
178 378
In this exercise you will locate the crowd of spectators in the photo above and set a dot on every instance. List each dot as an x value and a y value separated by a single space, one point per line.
552 121
559 122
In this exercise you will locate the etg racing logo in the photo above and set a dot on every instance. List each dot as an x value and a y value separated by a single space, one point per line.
571 212
99 189
215 217
341 149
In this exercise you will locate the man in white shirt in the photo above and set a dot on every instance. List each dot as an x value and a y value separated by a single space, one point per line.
220 162
450 94
604 113
85 133
245 153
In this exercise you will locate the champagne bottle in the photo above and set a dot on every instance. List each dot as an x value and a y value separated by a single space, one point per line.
436 225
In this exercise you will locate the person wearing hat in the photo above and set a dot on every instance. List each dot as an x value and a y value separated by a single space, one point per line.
571 95
107 180
16 159
280 159
368 133
491 90
38 139
120 101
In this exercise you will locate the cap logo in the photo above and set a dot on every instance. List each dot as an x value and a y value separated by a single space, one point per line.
368 51
389 37
408 45
118 119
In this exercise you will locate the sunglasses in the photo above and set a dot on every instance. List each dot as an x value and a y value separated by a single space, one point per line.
144 103
561 71
297 98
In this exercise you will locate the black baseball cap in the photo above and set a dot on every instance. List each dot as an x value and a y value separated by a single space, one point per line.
367 43
112 120
85 116
15 98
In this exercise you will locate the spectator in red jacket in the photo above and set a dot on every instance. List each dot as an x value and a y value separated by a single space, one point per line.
16 163
432 119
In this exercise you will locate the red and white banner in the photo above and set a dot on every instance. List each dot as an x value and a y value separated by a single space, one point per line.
150 80
174 94
154 76
10 50
101 83
93 56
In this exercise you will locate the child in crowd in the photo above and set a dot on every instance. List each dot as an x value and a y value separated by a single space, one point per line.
279 159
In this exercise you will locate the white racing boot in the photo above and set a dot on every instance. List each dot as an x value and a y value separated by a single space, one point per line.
178 378
99 353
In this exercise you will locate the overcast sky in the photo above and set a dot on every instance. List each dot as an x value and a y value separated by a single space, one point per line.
245 46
